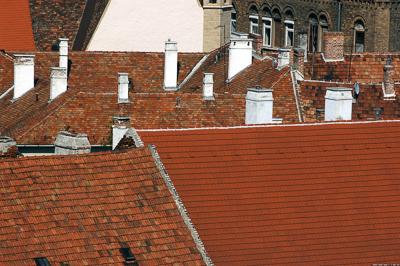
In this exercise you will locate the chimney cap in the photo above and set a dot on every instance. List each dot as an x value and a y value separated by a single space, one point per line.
63 39
338 93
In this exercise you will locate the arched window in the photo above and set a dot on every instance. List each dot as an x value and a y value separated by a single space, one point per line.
323 27
313 33
267 27
253 20
234 19
289 28
277 21
359 37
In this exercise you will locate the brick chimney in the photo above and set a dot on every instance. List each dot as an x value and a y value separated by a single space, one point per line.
208 86
24 74
63 44
299 60
68 143
388 81
333 46
171 66
240 54
259 106
338 104
123 88
58 82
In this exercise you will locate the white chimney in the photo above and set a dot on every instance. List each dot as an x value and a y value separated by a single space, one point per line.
24 74
123 88
121 125
58 82
240 54
171 65
259 106
63 44
71 143
338 104
208 86
283 57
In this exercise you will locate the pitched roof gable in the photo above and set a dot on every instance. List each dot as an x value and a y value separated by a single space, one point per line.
290 195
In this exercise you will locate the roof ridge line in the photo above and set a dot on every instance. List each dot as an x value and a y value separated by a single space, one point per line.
181 207
270 125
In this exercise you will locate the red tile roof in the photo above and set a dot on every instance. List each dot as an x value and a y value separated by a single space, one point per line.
290 195
312 97
16 26
82 209
364 68
91 101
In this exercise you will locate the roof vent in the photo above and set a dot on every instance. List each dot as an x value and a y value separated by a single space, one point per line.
68 143
128 256
42 261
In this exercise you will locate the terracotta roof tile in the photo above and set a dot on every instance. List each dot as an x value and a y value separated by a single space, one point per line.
289 195
364 68
91 101
83 209
371 98
16 26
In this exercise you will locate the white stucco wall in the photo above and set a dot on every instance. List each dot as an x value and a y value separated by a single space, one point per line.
137 25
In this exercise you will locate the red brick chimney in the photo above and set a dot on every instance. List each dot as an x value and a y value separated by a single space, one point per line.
388 81
333 46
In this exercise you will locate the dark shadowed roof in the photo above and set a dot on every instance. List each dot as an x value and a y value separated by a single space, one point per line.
16 26
369 101
290 195
82 209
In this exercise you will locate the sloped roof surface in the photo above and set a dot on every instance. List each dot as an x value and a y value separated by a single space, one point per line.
91 101
82 209
370 99
290 195
16 26
364 68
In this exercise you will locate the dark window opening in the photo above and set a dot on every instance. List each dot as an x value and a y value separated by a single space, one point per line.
42 261
129 257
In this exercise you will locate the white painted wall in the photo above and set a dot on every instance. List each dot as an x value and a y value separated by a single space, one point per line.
137 25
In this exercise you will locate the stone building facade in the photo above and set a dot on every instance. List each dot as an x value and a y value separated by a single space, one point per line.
368 26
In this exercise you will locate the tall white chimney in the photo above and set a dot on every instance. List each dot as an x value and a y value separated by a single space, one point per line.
338 104
240 54
24 74
63 44
259 106
171 65
121 125
58 82
208 86
123 88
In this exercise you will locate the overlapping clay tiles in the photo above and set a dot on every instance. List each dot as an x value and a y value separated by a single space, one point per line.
81 210
16 26
91 101
290 195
